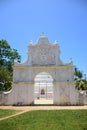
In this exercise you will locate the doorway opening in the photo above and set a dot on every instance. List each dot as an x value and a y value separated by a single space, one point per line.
43 89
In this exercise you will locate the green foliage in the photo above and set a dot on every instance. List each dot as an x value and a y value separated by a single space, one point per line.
81 84
78 74
7 56
5 79
47 120
79 81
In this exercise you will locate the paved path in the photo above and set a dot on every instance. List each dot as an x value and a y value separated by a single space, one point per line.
3 118
29 108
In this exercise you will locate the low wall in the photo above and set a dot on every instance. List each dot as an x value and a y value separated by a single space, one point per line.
26 98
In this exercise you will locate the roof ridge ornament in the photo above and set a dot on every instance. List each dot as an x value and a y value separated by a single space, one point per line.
42 35
31 41
55 42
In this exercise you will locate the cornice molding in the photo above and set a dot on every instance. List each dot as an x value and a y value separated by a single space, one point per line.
54 83
45 67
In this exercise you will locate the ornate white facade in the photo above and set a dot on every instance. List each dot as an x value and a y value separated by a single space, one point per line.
43 57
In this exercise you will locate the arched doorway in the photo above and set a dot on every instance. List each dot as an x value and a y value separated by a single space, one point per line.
43 89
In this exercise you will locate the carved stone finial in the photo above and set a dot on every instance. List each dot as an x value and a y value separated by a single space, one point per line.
31 42
42 34
71 61
55 42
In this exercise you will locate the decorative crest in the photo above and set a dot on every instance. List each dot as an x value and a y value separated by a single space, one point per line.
42 35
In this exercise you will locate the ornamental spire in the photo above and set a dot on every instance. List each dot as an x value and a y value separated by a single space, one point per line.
42 35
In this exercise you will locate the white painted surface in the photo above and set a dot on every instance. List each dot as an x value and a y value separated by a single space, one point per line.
42 57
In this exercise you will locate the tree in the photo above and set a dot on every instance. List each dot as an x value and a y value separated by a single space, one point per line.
78 74
7 56
5 79
80 82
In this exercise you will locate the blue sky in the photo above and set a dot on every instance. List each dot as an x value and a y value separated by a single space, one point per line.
61 20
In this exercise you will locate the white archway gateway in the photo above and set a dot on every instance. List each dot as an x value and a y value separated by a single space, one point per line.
43 60
43 89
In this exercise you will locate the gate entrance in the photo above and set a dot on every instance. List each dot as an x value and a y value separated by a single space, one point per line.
43 78
43 89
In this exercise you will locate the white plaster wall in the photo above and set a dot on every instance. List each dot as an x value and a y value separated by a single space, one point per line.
3 99
74 95
22 75
42 57
22 94
65 94
64 74
58 73
44 54
85 99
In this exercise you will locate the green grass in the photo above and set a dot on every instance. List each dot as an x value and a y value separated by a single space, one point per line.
47 120
5 113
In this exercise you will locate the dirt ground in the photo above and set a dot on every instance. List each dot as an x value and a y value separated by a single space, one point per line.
30 108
